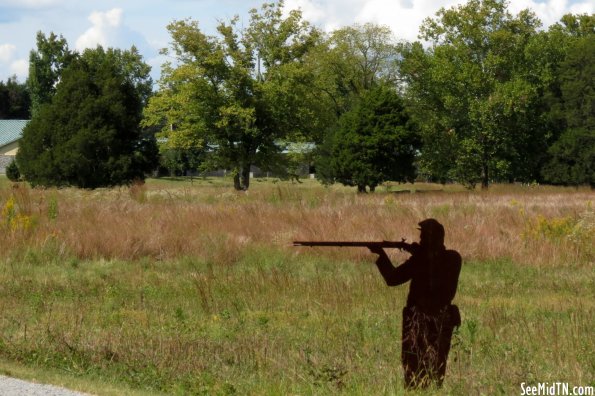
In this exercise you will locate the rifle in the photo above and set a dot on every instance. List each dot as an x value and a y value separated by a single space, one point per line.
408 247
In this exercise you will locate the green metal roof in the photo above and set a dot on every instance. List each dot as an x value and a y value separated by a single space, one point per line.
11 131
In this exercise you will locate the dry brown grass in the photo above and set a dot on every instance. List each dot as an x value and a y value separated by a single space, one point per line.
215 223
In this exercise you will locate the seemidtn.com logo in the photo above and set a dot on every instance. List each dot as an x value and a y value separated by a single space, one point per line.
556 389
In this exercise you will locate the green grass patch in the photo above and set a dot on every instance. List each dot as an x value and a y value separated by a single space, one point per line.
276 323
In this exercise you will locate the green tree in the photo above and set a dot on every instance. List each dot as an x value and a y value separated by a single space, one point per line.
46 63
572 156
576 84
88 135
374 142
581 25
347 64
237 95
569 80
351 61
476 93
132 67
181 162
14 100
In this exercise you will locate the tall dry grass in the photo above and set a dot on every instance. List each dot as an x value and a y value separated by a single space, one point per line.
539 227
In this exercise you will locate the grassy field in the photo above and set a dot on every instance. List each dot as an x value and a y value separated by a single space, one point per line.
182 287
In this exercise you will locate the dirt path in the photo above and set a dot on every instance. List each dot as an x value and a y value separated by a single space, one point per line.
15 387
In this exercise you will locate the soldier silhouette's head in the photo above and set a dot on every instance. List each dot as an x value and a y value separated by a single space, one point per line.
432 234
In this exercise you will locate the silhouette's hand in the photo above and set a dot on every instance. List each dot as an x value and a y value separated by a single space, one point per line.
377 250
414 248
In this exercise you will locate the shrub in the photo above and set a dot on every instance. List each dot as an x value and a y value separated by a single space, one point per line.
12 172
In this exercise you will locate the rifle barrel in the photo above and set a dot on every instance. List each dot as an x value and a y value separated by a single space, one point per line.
384 244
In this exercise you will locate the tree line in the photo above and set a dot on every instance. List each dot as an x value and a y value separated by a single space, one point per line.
484 96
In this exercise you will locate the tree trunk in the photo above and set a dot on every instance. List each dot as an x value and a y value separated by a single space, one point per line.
245 177
485 179
372 188
361 188
236 181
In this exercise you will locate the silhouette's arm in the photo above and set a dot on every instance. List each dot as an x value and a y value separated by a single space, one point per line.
392 276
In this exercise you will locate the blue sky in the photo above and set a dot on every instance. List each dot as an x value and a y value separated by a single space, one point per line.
86 23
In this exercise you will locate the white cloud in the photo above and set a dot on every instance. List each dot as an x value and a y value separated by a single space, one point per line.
328 14
104 30
587 7
20 67
549 12
109 30
311 10
404 17
7 52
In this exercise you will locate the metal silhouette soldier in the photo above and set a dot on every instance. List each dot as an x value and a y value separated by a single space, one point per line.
429 317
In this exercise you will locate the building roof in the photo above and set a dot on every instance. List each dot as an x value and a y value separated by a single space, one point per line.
11 131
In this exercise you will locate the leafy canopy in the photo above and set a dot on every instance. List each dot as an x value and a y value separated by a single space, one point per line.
88 135
572 156
476 93
46 64
238 95
351 61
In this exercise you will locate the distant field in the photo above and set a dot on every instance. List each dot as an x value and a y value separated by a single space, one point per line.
189 287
